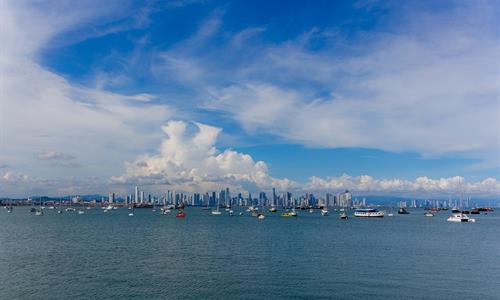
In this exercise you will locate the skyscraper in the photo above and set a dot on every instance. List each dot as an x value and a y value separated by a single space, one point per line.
136 199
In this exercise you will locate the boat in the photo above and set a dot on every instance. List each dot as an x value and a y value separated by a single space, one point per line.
460 218
369 213
180 214
231 212
241 213
311 211
261 217
324 212
216 211
403 211
273 209
131 214
343 216
429 214
292 213
9 209
81 212
39 212
474 211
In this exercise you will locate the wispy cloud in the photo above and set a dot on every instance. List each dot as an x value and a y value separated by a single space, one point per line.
421 86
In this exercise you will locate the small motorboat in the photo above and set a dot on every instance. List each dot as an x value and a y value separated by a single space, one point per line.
343 216
403 211
324 212
131 214
180 214
460 218
273 209
311 211
261 217
231 212
429 214
39 212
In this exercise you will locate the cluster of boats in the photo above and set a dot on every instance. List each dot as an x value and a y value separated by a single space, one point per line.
459 216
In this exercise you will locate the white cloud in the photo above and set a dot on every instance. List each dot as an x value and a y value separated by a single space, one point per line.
40 109
421 186
427 84
190 161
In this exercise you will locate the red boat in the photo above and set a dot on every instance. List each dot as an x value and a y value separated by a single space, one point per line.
180 214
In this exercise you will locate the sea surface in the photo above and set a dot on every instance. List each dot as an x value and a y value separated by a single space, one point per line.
151 256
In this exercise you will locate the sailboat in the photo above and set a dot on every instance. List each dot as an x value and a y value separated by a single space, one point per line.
70 208
81 211
216 212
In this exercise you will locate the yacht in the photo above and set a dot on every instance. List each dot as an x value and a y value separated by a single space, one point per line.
368 212
460 218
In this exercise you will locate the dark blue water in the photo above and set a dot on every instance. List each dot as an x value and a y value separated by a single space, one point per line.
152 256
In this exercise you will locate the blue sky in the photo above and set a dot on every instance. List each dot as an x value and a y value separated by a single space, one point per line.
323 95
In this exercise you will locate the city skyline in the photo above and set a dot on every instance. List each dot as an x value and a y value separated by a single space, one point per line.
203 95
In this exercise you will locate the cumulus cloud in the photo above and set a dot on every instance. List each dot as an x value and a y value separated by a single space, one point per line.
189 161
421 186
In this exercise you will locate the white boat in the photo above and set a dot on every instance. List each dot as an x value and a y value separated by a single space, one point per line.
460 218
368 213
131 214
429 214
70 209
39 212
231 212
311 211
273 209
324 212
216 212
105 211
343 216
390 215
261 217
293 213
81 212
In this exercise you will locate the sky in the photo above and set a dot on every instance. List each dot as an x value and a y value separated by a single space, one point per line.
378 97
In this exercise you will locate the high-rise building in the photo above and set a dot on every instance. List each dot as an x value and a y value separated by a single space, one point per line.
111 197
136 199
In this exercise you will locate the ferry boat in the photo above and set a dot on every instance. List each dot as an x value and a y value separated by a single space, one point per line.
368 212
460 218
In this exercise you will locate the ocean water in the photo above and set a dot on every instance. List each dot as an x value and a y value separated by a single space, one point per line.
153 256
